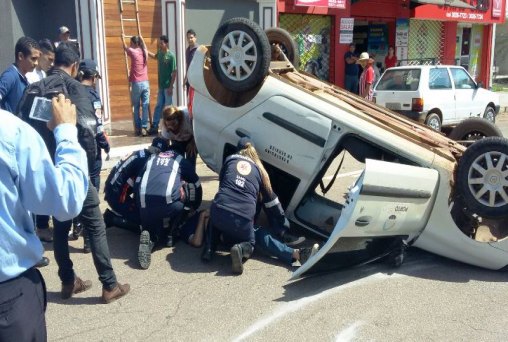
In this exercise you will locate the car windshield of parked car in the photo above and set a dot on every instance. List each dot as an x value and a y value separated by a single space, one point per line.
439 79
399 79
462 79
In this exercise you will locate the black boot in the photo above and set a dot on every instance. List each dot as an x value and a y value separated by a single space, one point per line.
239 252
210 243
113 220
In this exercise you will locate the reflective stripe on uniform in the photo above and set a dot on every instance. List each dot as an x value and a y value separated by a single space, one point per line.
272 203
144 182
172 178
120 169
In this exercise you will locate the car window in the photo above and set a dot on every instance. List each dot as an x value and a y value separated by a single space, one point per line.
399 79
462 79
439 79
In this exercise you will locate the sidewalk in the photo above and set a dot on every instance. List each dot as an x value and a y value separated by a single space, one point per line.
503 102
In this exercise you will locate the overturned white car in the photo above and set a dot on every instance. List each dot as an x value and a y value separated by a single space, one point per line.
364 180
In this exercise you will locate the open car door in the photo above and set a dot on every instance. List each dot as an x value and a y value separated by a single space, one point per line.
389 204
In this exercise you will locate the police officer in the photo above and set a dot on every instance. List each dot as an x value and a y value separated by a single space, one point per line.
243 179
119 186
168 184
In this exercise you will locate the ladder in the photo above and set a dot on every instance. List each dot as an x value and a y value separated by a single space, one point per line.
123 20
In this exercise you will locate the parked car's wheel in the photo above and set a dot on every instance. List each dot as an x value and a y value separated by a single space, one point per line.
282 37
490 114
482 177
240 54
472 129
433 121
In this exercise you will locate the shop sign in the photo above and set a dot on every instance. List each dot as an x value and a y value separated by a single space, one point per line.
402 40
322 3
346 30
461 10
496 8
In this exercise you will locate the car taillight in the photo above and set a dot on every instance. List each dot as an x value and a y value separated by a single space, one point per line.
189 101
417 105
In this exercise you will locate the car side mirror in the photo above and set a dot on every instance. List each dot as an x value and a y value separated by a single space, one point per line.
479 85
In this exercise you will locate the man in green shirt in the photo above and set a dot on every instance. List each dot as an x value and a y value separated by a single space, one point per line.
166 67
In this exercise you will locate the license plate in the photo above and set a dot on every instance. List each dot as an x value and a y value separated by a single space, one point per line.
393 106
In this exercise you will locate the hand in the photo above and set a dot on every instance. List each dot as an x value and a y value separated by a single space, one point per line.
63 112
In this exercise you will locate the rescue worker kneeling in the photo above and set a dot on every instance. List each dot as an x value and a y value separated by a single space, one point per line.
242 181
167 186
119 187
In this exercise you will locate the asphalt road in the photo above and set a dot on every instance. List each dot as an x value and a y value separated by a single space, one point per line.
181 299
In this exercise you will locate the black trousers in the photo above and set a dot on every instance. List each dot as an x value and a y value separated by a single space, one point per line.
23 307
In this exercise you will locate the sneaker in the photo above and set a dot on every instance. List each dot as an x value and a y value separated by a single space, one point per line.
145 250
42 263
118 291
307 253
144 132
236 259
45 234
76 287
153 131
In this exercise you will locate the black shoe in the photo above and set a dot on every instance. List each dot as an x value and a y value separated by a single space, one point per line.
236 259
108 218
153 131
292 240
307 253
42 263
77 229
210 244
145 250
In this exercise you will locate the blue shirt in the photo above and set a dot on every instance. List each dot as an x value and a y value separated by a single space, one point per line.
12 86
30 183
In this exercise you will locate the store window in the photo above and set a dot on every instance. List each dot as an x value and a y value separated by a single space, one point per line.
312 35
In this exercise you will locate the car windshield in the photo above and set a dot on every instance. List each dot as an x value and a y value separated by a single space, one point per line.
399 79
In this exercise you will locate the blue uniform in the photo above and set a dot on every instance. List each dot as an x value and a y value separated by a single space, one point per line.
119 187
161 193
100 137
234 207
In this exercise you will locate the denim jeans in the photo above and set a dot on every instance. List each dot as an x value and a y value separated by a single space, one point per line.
93 224
140 95
163 100
351 83
158 220
268 245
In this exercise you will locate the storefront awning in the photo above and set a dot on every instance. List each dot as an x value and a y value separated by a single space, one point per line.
451 3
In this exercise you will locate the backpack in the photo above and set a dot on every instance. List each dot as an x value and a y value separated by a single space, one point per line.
48 88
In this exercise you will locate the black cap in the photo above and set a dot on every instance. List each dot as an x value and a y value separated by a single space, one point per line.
161 143
242 143
89 67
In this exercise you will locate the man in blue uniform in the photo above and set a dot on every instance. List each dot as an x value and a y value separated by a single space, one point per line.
168 183
119 187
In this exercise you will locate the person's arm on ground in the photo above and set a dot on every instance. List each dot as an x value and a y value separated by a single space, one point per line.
60 189
196 240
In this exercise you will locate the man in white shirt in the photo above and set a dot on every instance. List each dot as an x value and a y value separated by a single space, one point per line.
46 60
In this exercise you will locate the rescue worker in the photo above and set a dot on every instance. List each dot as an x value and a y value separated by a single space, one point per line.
168 184
88 75
242 181
119 187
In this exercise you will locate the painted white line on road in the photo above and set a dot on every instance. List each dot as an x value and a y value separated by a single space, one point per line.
296 305
347 174
349 333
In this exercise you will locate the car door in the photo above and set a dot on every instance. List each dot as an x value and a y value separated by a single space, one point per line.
466 93
441 95
389 203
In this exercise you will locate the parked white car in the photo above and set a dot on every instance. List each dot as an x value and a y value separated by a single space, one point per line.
437 95
401 183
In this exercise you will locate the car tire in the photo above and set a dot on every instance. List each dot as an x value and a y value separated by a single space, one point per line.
282 37
243 66
490 114
473 129
433 121
482 178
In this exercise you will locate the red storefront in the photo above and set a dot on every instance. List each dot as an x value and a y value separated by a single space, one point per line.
460 32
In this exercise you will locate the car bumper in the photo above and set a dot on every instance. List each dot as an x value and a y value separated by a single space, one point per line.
417 116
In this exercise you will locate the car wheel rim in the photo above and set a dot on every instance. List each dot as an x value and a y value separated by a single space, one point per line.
238 55
489 115
434 124
488 179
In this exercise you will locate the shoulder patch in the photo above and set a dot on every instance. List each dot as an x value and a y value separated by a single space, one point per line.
243 167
